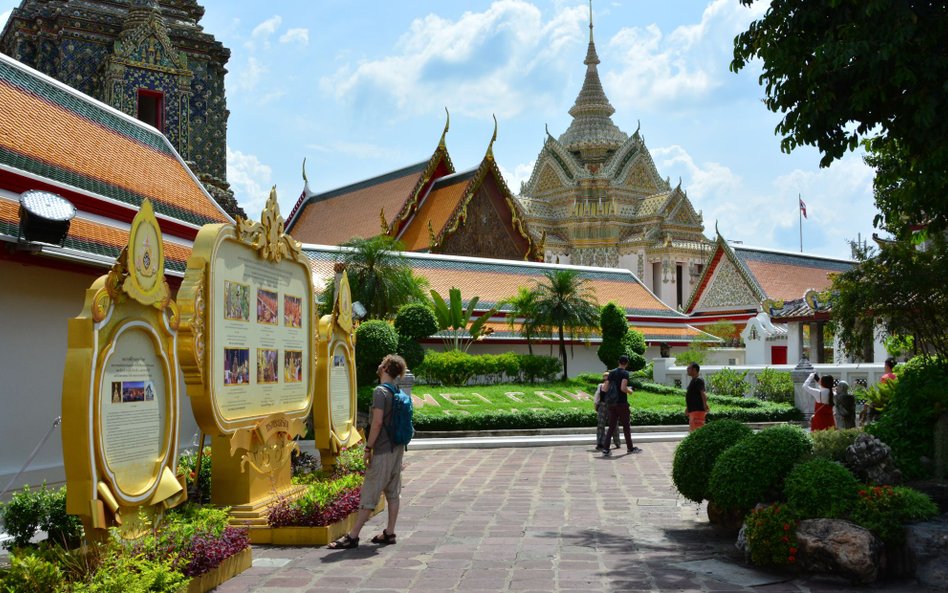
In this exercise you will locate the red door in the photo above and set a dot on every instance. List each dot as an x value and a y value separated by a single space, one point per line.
778 355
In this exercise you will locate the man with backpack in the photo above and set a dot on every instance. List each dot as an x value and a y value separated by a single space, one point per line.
617 399
389 431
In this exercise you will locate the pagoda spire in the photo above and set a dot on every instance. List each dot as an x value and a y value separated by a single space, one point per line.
592 125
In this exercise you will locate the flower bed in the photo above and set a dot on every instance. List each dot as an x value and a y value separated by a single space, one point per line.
190 549
328 507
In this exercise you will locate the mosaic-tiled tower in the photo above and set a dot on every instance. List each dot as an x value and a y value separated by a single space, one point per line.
596 193
147 58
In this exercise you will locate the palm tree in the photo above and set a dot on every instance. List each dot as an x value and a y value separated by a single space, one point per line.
524 307
565 301
379 276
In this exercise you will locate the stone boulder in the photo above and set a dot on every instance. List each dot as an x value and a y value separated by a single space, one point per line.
834 546
870 460
927 547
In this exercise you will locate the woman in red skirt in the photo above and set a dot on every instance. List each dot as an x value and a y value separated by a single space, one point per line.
823 398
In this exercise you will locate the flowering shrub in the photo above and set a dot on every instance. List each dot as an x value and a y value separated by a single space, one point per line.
771 536
324 502
208 551
884 510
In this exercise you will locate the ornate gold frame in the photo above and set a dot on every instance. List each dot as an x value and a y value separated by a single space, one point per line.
133 296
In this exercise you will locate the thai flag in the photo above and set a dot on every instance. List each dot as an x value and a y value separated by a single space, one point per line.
802 206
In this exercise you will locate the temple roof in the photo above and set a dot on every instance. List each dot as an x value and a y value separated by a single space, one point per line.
76 144
592 125
494 279
437 209
754 274
784 275
338 215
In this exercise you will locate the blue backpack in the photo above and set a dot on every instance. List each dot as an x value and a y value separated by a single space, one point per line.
400 429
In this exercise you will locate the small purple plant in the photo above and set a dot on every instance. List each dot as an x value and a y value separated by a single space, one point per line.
207 551
283 514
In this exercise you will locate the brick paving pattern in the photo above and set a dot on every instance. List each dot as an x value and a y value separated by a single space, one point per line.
529 520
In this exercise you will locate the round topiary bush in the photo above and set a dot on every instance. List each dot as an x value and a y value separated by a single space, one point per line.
754 469
411 351
374 340
821 488
696 454
416 321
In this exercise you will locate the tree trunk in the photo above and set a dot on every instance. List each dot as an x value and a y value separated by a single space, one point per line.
563 352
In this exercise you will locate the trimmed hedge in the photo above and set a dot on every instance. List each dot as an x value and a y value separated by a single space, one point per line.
696 454
821 488
457 368
754 469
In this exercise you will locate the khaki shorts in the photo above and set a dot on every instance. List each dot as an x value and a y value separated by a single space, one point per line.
384 474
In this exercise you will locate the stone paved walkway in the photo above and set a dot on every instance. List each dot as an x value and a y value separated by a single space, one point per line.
530 520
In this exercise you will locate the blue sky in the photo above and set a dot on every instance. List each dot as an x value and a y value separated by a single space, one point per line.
359 89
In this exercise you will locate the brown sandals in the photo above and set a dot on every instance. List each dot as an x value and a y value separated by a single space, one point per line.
385 538
344 543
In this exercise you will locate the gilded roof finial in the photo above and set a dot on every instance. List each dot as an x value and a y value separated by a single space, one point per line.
305 180
383 221
447 124
493 138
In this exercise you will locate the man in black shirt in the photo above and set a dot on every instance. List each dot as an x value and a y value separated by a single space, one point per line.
696 399
619 408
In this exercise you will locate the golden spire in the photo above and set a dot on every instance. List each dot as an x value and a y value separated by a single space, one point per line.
447 124
590 21
493 138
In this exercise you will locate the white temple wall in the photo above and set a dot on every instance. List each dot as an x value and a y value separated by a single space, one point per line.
35 304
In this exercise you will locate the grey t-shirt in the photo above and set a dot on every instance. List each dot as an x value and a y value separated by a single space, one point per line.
382 400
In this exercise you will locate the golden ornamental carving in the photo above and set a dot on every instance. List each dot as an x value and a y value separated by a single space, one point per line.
342 308
268 236
382 222
269 445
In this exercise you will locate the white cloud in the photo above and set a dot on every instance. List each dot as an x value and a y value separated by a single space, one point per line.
654 69
262 32
501 60
250 179
518 176
249 77
838 199
300 36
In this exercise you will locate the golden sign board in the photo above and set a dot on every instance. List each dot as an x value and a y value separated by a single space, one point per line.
247 350
247 339
335 407
120 396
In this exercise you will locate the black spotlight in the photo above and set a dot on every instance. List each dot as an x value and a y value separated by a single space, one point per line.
45 217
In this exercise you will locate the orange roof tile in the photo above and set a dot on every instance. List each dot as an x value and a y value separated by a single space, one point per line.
436 208
786 276
335 217
67 137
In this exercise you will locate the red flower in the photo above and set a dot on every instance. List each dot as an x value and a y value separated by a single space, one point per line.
785 539
791 559
786 527
793 551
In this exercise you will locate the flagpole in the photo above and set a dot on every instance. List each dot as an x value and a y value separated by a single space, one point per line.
800 214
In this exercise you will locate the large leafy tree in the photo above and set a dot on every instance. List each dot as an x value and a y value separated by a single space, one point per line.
566 302
845 72
379 277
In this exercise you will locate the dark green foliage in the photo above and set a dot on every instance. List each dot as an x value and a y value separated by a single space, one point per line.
187 465
696 454
753 470
535 369
31 573
832 444
611 350
884 510
771 535
416 321
30 510
907 424
773 385
412 351
821 488
375 339
634 342
729 382
455 367
612 321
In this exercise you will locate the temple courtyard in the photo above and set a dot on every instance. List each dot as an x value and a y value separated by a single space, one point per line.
555 519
